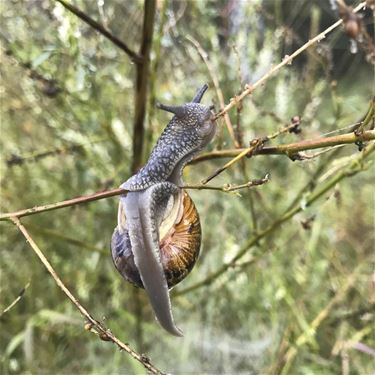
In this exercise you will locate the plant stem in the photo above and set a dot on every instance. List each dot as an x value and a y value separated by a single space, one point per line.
102 30
350 170
93 325
286 61
289 149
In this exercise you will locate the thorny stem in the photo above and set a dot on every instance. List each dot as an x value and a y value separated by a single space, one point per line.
249 89
346 172
288 149
93 325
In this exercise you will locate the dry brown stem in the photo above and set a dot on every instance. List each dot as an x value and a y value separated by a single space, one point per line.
287 60
92 324
288 149
142 79
102 30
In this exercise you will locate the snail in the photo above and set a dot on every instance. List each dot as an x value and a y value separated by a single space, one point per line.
158 235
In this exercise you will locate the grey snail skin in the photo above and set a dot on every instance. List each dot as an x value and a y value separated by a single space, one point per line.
158 235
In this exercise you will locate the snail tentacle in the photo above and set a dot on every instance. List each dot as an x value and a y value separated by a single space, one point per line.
199 94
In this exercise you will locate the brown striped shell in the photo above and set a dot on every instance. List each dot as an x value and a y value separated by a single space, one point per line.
179 242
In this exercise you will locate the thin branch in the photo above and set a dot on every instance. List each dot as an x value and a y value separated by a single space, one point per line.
62 204
229 187
289 149
254 145
92 324
216 83
370 115
107 194
249 89
20 295
102 30
141 84
353 168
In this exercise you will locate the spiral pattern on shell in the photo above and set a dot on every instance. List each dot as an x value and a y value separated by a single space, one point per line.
179 246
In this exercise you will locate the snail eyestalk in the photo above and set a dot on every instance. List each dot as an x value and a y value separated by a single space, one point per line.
199 94
179 111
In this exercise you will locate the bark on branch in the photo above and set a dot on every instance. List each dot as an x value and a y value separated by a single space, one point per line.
142 83
102 30
92 325
277 150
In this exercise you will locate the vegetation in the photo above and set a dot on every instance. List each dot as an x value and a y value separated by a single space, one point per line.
285 280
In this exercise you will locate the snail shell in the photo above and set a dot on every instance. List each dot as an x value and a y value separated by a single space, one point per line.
179 242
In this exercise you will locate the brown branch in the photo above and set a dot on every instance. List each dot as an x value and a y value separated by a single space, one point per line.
227 188
137 58
353 168
291 148
254 145
92 324
141 83
102 195
249 89
62 204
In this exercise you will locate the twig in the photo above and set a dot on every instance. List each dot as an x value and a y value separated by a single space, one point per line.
20 295
107 194
216 83
62 204
229 187
92 324
367 118
102 30
255 144
353 168
249 89
142 79
288 149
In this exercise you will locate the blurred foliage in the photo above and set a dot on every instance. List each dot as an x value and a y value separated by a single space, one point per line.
69 92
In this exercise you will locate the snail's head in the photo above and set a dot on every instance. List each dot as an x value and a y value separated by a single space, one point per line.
192 120
192 127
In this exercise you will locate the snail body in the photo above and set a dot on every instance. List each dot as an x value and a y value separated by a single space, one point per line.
157 239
